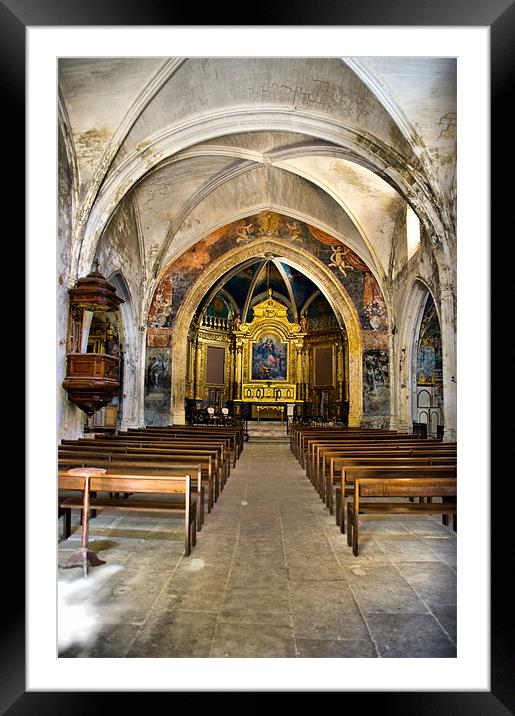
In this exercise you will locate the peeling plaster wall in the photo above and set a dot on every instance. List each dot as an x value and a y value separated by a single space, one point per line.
324 86
98 92
69 418
425 88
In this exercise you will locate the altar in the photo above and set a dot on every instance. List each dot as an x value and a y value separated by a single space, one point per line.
268 363
269 411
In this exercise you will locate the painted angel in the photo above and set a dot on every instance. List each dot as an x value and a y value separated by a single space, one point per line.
338 259
244 233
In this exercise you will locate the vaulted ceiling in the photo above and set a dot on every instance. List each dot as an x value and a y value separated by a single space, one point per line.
195 143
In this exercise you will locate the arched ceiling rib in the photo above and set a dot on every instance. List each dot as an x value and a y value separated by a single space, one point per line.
116 105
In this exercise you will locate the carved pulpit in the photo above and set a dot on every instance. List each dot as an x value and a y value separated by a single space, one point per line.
92 379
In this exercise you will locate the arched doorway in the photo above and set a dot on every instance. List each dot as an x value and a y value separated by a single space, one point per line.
296 257
429 371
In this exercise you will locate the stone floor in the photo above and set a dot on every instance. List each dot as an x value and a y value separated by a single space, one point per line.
271 576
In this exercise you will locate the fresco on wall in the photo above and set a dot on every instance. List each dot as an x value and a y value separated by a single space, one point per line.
350 270
320 315
376 382
157 387
429 349
269 359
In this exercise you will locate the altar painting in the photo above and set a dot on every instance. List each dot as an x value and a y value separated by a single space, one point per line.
269 359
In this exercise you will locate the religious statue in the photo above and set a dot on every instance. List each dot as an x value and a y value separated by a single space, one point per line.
236 323
303 323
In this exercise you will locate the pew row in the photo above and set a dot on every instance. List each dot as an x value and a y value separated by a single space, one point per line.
173 495
393 472
376 487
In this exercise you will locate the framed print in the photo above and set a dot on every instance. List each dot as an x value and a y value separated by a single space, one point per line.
35 679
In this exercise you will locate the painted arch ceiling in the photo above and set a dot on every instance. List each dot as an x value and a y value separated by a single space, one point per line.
219 139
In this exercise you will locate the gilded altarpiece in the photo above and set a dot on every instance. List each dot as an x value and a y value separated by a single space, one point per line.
269 361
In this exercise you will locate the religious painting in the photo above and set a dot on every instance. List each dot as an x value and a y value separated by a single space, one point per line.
269 359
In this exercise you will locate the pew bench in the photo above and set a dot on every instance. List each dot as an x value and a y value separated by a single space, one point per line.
121 452
338 461
144 468
169 494
416 474
160 446
232 438
366 487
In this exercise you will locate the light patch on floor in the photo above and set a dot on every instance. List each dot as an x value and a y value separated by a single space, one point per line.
78 622
195 565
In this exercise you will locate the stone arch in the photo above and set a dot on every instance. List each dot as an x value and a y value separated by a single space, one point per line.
305 262
408 339
410 326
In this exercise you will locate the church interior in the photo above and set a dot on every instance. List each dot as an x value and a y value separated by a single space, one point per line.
256 360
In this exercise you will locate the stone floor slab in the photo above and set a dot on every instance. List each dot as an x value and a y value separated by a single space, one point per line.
409 636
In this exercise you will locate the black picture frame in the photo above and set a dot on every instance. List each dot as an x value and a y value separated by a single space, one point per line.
499 16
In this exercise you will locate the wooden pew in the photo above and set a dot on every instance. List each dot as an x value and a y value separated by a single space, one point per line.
296 434
313 444
145 468
338 433
218 443
418 472
173 495
165 455
334 494
334 460
306 433
115 455
377 487
234 436
182 441
162 443
220 430
316 448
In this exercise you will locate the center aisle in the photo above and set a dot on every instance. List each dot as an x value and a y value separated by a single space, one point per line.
271 576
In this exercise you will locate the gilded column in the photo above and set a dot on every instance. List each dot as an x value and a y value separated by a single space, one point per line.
238 371
198 370
339 372
299 377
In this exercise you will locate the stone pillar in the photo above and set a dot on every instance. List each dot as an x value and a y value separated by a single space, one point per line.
393 378
404 423
449 365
